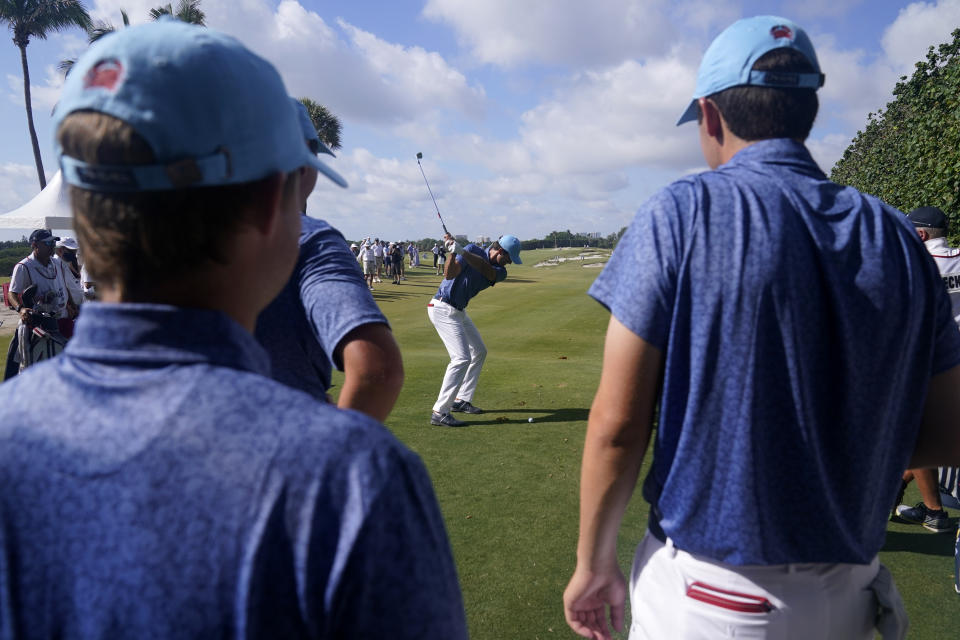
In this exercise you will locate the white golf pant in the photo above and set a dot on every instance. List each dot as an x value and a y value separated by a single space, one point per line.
466 349
681 596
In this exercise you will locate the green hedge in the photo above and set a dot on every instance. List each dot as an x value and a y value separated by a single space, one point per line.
909 153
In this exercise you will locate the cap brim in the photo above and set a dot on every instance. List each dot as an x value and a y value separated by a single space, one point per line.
689 114
324 148
327 171
515 258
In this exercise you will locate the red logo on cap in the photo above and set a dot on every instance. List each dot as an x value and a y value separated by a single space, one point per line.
782 31
105 74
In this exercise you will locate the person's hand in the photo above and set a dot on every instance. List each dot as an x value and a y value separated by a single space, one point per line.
586 599
453 247
26 316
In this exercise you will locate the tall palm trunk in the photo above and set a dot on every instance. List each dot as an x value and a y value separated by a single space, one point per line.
29 105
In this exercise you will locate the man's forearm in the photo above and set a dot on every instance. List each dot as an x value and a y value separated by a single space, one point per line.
373 369
372 392
938 443
608 476
451 268
618 432
480 265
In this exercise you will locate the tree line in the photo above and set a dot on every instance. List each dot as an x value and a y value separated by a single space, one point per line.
12 252
554 239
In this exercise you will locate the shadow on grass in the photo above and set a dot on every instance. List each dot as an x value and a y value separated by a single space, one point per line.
500 416
399 293
923 541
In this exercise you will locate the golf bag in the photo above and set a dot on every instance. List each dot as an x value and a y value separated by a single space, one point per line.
40 338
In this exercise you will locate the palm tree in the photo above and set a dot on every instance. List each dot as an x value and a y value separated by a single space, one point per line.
187 11
94 33
37 18
327 125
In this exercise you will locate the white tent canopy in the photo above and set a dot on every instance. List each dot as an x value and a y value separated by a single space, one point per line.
49 209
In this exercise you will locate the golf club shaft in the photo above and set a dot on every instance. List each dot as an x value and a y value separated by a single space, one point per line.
431 196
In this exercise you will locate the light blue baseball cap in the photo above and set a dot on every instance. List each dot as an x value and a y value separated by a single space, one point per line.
511 245
213 112
729 60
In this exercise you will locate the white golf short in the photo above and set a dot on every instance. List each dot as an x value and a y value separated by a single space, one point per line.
678 595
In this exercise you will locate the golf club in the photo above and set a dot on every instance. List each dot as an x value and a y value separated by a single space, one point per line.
420 155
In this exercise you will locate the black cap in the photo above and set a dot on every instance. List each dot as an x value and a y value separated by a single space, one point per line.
41 234
928 217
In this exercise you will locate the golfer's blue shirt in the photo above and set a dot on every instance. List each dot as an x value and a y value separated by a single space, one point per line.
154 483
469 282
801 322
325 299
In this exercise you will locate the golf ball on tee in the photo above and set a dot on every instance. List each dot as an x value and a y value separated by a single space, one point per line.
529 419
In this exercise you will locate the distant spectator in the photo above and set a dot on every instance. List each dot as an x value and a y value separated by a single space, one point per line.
398 262
441 259
67 258
379 251
49 301
368 258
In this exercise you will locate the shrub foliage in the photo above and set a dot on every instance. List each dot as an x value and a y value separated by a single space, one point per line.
909 153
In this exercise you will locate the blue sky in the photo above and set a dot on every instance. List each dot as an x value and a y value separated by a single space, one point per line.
532 115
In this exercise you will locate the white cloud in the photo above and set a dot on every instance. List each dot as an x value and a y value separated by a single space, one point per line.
623 116
917 27
826 151
854 85
803 9
354 73
422 77
18 184
706 17
43 97
513 32
859 82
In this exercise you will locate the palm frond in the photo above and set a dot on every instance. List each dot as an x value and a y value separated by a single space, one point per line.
47 16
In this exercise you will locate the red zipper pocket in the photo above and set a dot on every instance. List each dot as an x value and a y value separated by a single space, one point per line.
742 602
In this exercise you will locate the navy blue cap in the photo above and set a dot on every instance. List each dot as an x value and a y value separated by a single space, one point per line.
928 217
39 235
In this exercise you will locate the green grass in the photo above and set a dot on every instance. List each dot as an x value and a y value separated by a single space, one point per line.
508 488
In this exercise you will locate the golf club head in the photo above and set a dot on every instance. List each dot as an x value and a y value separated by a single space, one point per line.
419 155
28 297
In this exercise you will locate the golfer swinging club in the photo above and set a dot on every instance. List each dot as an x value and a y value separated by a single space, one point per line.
467 271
